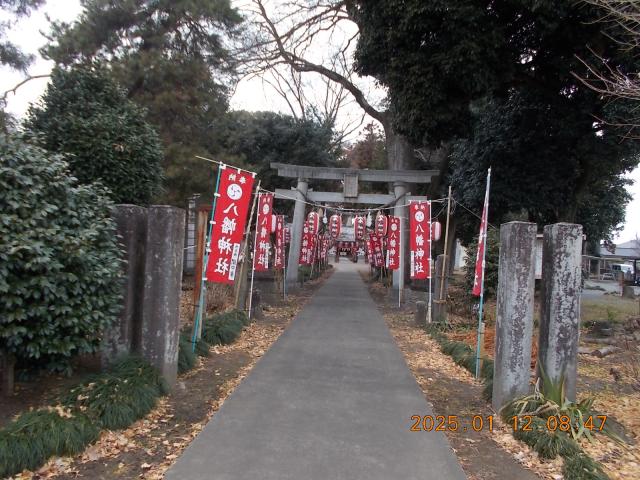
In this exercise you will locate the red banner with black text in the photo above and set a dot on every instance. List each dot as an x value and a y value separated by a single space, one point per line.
278 256
229 219
263 234
420 239
393 243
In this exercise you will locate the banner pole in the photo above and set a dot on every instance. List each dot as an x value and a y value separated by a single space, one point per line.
207 249
284 263
253 260
400 268
243 272
480 337
446 243
430 269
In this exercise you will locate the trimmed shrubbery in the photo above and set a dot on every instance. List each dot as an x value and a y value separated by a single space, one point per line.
464 356
34 436
60 264
115 399
111 400
220 329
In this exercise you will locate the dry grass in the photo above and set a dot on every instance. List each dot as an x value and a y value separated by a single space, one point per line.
608 307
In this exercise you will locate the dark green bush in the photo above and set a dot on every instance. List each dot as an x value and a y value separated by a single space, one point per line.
116 399
186 356
28 441
59 260
86 114
224 328
202 348
465 356
582 467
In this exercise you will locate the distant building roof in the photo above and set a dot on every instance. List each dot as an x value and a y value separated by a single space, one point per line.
630 249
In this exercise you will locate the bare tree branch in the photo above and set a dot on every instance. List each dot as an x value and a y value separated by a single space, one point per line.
280 41
26 80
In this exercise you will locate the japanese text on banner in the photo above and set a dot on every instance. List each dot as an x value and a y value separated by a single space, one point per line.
376 246
306 247
393 244
230 216
278 258
420 239
263 235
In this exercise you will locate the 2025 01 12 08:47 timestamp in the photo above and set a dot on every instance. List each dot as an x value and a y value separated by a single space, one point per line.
477 423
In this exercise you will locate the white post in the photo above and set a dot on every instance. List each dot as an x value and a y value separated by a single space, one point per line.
253 259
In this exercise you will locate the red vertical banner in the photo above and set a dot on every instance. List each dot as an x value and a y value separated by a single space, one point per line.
278 257
376 250
478 281
420 239
370 258
313 221
359 227
314 248
393 244
335 224
229 219
306 247
263 244
382 224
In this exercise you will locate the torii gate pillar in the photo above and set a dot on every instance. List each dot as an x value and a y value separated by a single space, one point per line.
400 191
296 232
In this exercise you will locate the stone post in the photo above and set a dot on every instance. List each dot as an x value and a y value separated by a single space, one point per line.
560 304
420 317
514 319
440 297
124 336
162 287
400 189
296 233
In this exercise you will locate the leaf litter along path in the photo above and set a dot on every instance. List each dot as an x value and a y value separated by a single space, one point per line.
331 400
452 390
151 445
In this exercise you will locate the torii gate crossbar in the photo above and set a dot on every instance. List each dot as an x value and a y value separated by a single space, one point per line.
350 177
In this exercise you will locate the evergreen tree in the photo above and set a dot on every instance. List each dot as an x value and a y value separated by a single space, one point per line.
170 57
496 81
86 115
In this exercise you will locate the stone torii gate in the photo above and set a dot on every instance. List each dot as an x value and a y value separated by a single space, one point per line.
350 178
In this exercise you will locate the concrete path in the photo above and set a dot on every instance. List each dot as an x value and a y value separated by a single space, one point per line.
331 400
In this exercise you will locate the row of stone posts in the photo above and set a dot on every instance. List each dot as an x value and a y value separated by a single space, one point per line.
152 242
559 313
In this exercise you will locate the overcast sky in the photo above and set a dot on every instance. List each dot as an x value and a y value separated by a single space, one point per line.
251 95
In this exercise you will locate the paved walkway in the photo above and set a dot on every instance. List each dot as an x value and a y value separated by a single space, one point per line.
331 400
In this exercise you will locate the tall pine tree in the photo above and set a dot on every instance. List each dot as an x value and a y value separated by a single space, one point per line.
170 56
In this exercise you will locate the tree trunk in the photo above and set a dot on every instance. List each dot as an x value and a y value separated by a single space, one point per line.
399 149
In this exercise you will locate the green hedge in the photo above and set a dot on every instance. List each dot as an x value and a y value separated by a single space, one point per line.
111 400
464 356
220 329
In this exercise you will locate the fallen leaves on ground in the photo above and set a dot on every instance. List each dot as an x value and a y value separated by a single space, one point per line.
619 461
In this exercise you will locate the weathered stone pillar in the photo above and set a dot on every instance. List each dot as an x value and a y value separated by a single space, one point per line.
124 336
420 317
400 190
296 233
514 319
560 305
441 286
162 287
